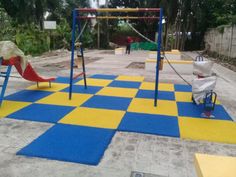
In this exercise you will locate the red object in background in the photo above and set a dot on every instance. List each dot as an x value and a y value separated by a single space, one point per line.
29 73
129 40
121 40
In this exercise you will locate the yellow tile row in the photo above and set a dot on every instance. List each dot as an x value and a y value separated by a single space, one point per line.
115 91
101 83
190 128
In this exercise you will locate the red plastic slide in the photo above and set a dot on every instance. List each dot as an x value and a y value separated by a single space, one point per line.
29 73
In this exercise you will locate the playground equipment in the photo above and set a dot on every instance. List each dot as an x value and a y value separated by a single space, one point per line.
203 85
76 22
28 73
5 75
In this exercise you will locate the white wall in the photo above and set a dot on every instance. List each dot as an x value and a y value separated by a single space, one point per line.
221 42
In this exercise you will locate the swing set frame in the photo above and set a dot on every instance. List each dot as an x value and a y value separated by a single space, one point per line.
77 23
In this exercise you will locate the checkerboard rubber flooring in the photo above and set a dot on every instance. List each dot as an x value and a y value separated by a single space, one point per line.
84 126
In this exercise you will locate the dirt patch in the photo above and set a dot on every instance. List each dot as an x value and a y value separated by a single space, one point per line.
226 64
66 64
55 53
136 65
107 52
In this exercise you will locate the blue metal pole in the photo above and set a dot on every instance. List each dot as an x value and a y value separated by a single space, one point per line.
72 52
159 29
6 75
82 53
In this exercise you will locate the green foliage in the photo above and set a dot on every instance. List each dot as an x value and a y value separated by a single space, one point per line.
124 29
31 40
62 35
88 39
25 11
34 41
6 32
145 27
221 29
233 19
21 21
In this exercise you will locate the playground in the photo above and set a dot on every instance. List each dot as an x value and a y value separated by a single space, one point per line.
126 148
109 119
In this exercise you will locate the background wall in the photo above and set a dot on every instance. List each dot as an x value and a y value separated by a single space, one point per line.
221 40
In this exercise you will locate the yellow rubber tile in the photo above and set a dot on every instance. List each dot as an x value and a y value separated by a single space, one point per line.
186 97
215 166
164 107
130 78
208 130
162 86
183 96
147 86
60 98
9 107
100 118
95 82
45 87
119 92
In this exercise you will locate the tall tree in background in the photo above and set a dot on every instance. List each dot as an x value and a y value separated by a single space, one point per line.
23 11
98 28
146 27
186 20
69 5
170 8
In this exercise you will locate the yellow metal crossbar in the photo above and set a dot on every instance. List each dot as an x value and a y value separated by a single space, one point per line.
117 17
118 10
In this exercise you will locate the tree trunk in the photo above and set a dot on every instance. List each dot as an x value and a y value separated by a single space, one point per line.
185 30
172 42
179 36
107 24
182 40
176 35
39 13
166 36
98 29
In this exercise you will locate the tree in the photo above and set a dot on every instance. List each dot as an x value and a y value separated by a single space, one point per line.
24 11
7 31
170 8
146 27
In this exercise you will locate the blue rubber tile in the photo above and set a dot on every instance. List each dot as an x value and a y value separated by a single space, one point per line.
70 143
183 88
192 110
66 80
107 102
101 76
81 89
151 124
162 95
42 113
28 95
125 84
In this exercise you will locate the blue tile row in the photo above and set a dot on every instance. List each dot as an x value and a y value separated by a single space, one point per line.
70 143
